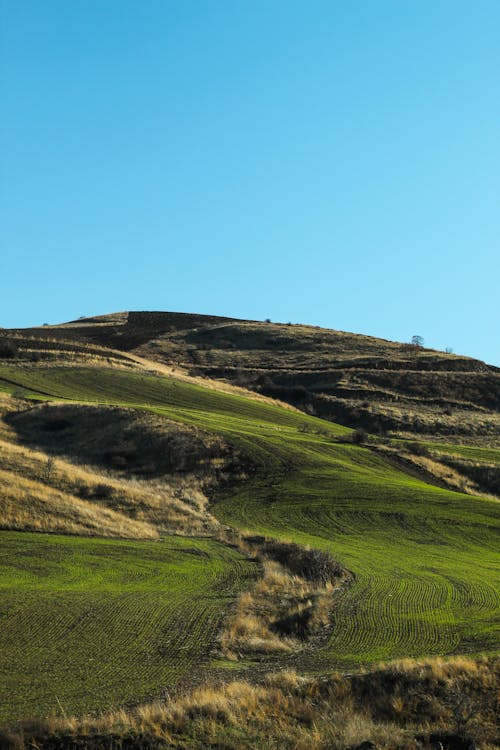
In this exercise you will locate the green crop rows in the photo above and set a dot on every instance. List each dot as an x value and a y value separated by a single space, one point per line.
426 560
471 452
89 623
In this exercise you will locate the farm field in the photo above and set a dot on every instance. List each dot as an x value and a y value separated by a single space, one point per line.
353 379
471 452
92 623
426 559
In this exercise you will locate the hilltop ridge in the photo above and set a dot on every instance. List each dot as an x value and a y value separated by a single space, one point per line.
360 381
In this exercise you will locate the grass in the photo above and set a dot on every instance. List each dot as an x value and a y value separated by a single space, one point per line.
404 705
33 506
288 607
425 559
69 482
94 623
471 452
385 387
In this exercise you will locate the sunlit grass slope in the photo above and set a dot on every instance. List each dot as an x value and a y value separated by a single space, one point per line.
426 559
90 623
489 455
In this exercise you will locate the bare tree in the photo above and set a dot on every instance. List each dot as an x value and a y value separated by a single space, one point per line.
417 341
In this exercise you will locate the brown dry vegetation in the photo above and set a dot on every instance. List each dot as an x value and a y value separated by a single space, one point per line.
42 492
25 348
126 441
117 472
32 506
455 473
290 604
277 615
360 381
406 705
481 476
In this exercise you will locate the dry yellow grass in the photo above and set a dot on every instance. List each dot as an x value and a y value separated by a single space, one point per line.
32 506
280 612
431 468
248 628
43 493
390 705
50 494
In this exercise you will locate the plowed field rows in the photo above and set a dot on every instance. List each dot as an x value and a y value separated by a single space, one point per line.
89 623
426 560
473 453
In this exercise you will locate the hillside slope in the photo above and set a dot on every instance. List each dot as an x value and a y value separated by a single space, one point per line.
359 381
95 442
425 558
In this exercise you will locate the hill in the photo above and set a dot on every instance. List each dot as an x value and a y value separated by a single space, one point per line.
360 381
362 549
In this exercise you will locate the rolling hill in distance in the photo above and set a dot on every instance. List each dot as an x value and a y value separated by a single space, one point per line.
202 515
350 378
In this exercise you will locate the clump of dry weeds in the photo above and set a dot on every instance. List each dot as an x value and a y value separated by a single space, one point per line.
288 605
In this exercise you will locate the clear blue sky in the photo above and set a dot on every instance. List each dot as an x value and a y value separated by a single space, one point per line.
334 163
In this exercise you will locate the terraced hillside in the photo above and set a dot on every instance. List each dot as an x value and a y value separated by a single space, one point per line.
426 559
359 381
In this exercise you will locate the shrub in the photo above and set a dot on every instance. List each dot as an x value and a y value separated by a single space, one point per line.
296 624
8 350
56 424
418 449
312 564
359 436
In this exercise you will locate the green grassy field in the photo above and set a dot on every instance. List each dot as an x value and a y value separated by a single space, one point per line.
471 452
92 623
426 560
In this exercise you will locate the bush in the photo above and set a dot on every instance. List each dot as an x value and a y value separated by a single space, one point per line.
8 350
295 624
312 564
56 424
418 449
295 394
359 436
